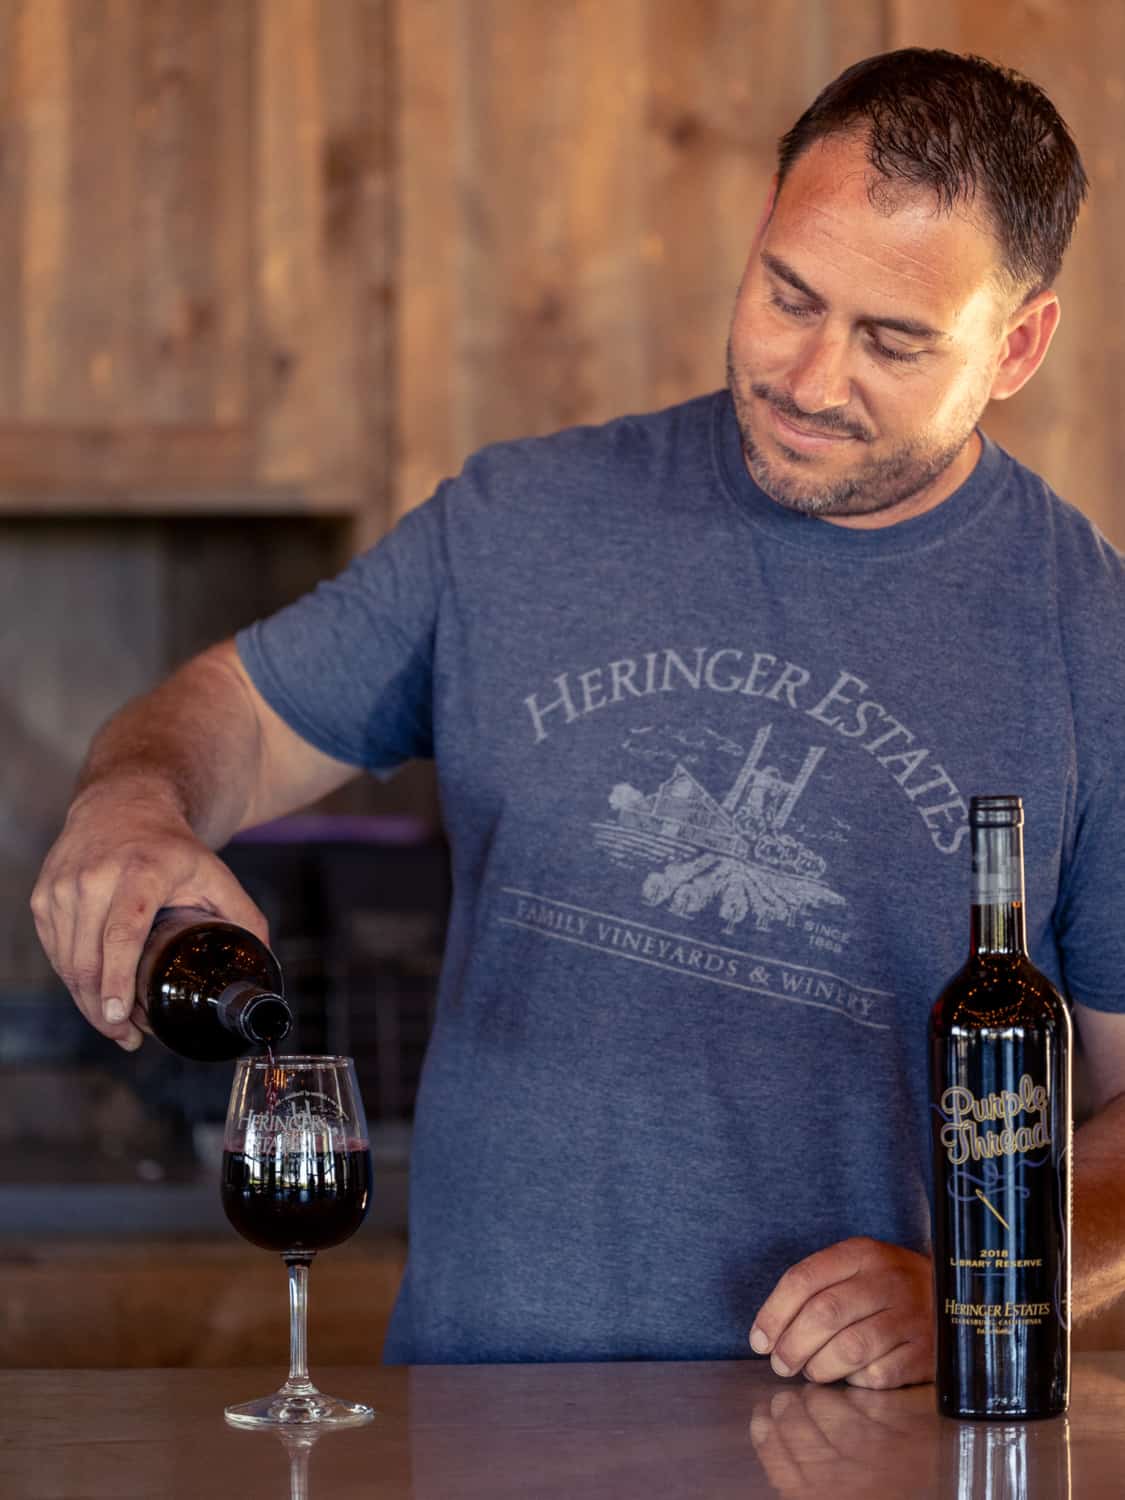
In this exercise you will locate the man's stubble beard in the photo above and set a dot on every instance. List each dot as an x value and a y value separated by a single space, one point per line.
878 485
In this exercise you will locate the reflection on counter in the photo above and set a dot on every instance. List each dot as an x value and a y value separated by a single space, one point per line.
816 1440
1013 1460
298 1447
837 1440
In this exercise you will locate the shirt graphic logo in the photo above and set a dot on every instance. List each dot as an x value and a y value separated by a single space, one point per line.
734 854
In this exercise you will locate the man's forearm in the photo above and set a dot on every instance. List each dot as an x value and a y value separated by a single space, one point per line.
1099 1210
192 742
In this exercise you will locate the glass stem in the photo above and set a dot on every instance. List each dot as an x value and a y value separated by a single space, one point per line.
298 1382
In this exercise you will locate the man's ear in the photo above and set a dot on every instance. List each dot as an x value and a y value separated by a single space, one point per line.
1028 338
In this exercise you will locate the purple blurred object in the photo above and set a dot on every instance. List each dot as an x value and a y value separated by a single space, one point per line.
331 828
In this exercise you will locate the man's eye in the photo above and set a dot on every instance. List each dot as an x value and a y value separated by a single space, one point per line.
793 309
885 351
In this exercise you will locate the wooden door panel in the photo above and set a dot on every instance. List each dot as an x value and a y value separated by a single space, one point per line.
194 254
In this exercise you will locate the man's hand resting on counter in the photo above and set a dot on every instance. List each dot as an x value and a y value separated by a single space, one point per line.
860 1311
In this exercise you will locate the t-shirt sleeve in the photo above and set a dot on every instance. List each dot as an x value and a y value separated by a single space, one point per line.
1090 911
349 666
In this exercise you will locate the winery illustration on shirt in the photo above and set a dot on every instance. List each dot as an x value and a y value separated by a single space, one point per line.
732 853
724 869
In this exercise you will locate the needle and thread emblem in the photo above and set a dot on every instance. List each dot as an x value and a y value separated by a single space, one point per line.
993 1211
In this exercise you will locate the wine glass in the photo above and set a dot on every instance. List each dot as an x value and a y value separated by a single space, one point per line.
296 1179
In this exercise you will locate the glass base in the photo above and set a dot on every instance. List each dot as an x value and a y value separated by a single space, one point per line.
303 1406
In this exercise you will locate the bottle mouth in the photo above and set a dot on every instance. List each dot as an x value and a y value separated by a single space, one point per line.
267 1019
996 812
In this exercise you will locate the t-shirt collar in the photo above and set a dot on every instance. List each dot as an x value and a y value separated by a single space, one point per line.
813 534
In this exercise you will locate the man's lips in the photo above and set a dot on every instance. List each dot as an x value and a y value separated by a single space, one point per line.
802 437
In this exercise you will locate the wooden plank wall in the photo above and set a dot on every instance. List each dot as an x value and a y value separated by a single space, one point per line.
194 255
578 183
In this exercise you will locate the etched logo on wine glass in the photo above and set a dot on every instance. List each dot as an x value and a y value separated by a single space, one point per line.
306 1120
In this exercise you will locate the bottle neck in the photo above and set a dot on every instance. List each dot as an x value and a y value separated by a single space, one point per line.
999 924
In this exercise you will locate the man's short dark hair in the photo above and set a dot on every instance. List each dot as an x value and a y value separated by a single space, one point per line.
960 126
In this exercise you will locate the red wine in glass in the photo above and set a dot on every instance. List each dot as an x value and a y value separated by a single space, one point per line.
321 1205
296 1180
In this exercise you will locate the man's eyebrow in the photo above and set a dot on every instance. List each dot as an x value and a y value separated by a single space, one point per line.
910 326
787 274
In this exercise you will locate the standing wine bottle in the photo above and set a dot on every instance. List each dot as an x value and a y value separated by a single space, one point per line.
1000 1108
209 989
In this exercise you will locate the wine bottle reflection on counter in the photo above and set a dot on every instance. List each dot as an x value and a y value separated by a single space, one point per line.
1000 1038
209 989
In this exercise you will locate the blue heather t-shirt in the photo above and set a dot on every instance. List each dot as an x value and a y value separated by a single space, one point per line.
705 766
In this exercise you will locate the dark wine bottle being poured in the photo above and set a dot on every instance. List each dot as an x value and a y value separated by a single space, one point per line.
1000 1041
209 989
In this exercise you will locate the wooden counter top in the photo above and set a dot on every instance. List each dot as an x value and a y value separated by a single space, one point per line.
549 1432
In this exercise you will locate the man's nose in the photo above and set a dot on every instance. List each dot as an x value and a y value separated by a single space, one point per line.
820 377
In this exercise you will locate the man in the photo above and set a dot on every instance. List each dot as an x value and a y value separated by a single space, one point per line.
708 692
